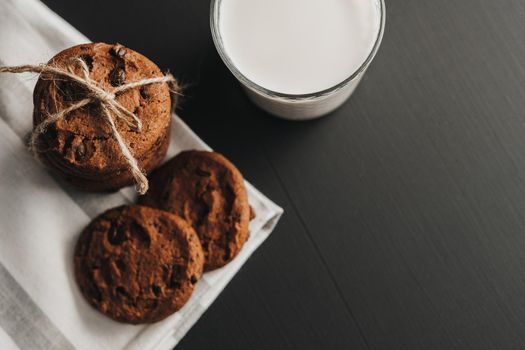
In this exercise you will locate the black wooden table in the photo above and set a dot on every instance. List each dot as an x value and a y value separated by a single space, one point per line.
404 223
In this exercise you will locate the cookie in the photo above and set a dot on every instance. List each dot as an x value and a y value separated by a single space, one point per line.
81 145
207 191
137 264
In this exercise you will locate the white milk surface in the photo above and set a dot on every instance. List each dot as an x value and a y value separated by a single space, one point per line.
298 46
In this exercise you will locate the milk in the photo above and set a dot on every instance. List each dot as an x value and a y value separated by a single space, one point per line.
297 47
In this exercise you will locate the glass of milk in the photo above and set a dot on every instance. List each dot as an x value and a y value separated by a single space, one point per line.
298 59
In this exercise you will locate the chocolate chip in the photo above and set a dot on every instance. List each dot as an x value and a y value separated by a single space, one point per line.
202 214
95 293
84 151
227 253
202 173
121 265
143 93
156 290
80 151
117 77
193 279
122 293
174 278
116 234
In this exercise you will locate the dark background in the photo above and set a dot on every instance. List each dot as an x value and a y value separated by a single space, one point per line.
404 224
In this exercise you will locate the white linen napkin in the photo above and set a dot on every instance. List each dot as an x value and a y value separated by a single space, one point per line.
41 217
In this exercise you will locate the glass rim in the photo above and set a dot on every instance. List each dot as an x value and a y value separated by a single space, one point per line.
217 40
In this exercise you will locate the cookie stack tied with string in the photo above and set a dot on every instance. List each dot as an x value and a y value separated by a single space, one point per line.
106 124
102 120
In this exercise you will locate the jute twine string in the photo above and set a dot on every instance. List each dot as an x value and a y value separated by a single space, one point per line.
96 94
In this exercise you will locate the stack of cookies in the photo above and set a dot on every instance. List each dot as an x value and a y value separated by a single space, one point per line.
140 263
81 146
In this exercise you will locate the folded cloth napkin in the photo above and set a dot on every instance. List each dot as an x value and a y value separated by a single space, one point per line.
41 217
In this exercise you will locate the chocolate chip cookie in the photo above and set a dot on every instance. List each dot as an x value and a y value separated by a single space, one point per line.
208 191
137 264
81 145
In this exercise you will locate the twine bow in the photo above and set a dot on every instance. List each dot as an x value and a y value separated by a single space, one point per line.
106 99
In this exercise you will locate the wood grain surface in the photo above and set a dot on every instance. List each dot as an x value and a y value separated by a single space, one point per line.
404 223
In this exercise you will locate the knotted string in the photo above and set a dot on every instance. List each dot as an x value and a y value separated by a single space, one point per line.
109 106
